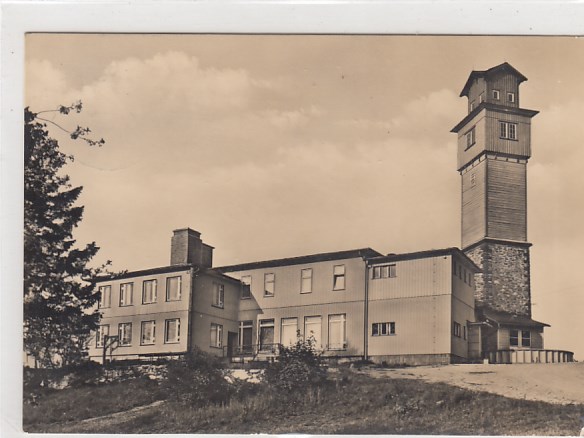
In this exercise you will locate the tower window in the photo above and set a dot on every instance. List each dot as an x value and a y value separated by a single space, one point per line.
508 130
471 106
496 94
510 97
470 138
481 98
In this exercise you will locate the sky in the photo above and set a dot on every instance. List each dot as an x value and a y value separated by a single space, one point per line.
280 146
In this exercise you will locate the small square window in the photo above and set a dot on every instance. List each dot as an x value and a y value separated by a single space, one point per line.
496 94
511 97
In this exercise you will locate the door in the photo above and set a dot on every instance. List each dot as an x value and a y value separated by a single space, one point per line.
231 343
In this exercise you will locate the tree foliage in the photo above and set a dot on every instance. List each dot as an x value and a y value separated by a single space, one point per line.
59 288
298 368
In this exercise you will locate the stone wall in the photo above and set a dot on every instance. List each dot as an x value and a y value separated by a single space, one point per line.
504 284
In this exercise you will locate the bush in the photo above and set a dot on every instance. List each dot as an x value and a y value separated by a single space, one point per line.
197 380
299 367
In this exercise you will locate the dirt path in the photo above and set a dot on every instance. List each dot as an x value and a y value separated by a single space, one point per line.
561 383
90 425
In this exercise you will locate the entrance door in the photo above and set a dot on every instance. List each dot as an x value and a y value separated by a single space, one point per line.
231 343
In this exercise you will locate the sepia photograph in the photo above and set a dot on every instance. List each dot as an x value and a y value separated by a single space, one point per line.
302 234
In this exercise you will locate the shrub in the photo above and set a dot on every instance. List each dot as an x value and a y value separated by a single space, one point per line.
198 380
298 367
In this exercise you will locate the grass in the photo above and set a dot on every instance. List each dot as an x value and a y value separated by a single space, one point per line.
349 404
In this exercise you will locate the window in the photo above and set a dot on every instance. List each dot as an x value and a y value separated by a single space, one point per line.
105 300
306 281
266 334
126 294
496 94
473 179
339 277
246 336
313 330
216 335
510 97
336 328
149 291
520 338
289 332
148 335
470 138
125 334
471 107
102 332
218 295
269 285
383 329
386 271
245 287
481 97
457 329
464 332
173 288
172 331
508 130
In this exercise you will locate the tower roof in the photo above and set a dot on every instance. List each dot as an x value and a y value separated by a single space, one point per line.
475 74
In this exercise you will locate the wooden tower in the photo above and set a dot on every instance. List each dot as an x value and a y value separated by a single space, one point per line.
494 146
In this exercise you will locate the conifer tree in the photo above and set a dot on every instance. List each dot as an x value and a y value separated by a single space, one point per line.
59 285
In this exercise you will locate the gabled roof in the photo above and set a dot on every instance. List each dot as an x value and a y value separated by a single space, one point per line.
510 319
475 74
453 251
313 258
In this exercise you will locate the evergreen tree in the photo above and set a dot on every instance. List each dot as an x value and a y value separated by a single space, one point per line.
59 287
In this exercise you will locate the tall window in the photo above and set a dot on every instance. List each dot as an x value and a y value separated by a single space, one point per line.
269 284
216 335
246 336
149 291
288 334
386 271
383 329
105 300
481 97
508 130
173 288
266 334
511 97
470 138
218 295
125 334
456 329
313 329
306 281
126 294
245 287
496 94
172 331
148 335
337 335
339 277
102 332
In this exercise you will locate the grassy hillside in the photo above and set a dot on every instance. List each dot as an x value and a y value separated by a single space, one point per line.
349 403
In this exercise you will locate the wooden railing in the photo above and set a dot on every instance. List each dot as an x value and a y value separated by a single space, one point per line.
530 356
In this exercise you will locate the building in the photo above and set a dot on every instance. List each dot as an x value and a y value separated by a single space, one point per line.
437 306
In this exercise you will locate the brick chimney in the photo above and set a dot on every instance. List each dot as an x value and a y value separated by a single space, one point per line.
186 247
